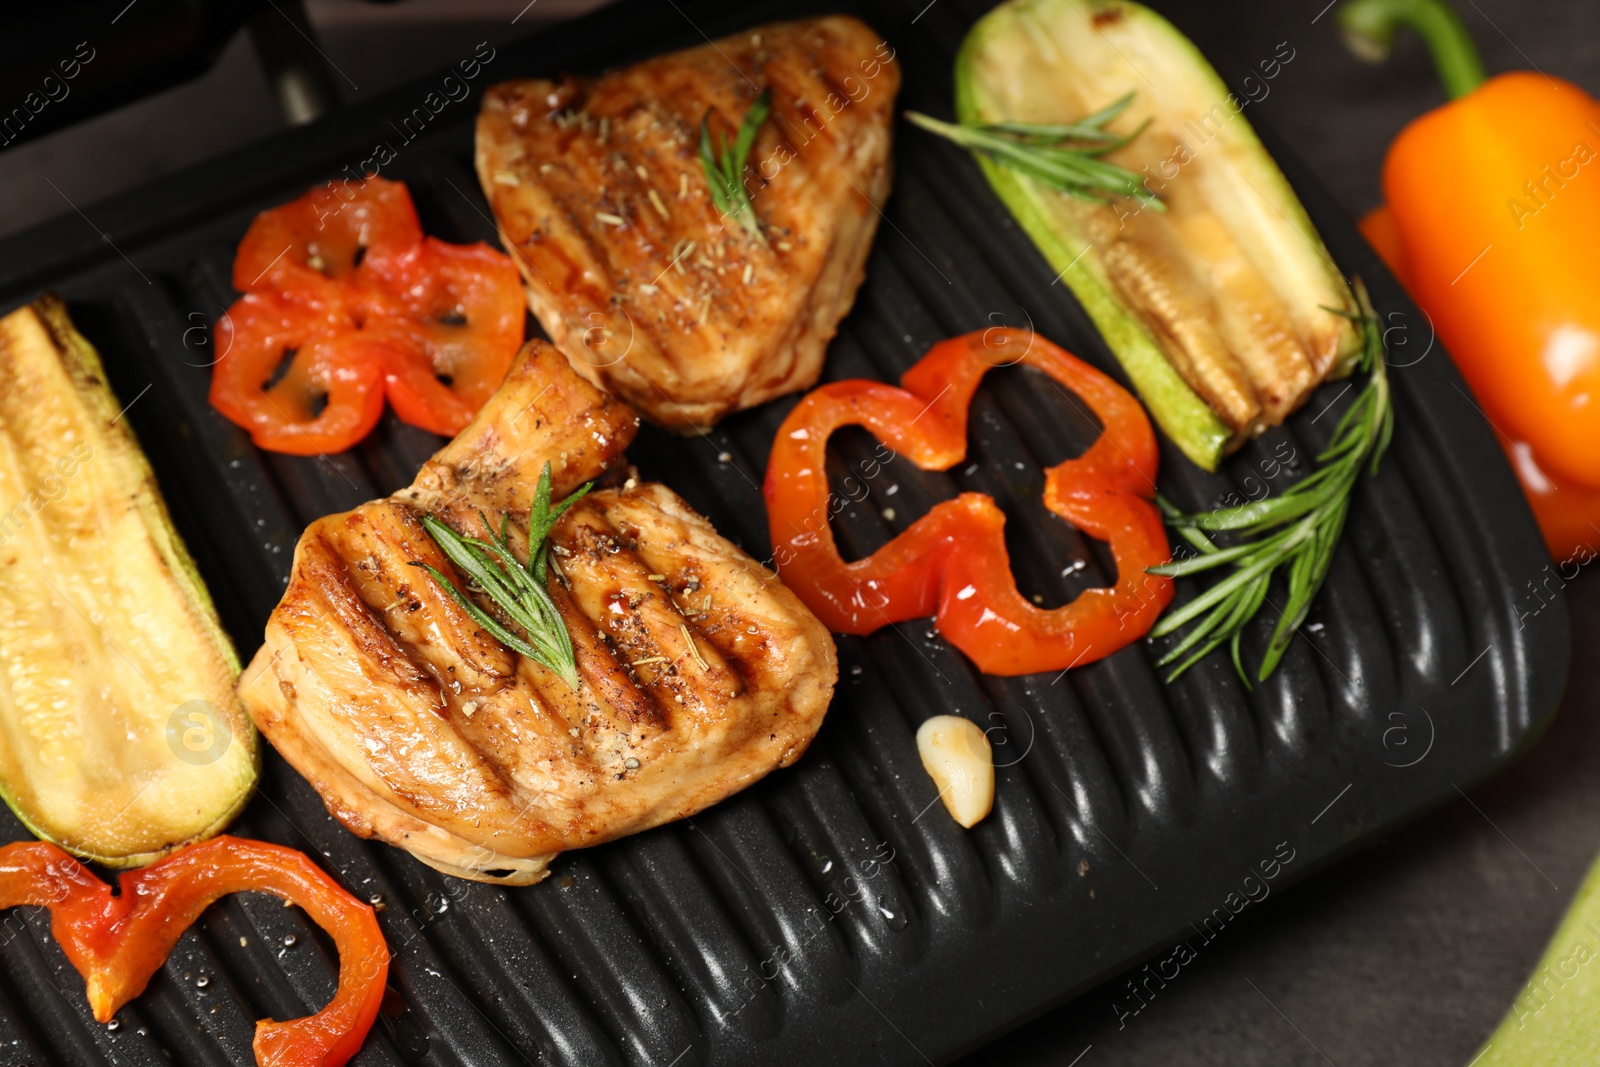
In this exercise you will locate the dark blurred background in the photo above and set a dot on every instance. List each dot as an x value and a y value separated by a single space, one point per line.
1408 953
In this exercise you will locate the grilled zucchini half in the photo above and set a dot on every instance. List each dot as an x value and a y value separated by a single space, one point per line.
1224 308
120 735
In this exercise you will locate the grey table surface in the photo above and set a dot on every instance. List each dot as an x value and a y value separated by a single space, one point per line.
1408 953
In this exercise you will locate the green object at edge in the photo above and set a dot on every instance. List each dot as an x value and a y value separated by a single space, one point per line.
1555 1020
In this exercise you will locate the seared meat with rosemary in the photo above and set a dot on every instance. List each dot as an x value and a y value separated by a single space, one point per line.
697 670
692 229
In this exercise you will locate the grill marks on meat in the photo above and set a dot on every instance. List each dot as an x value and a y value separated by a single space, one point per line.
699 671
599 192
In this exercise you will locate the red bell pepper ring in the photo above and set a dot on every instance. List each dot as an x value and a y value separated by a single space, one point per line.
330 395
455 314
118 941
315 244
952 563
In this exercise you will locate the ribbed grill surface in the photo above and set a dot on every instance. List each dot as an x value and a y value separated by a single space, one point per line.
771 928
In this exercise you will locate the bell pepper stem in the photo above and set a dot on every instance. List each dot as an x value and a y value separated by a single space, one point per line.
1370 28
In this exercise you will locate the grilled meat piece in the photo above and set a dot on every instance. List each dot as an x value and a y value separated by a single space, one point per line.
600 194
699 671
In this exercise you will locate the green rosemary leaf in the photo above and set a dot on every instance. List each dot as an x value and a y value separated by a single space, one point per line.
1262 514
1293 534
470 556
1212 557
1220 625
541 518
746 138
1197 540
1109 112
725 165
1052 134
1064 156
1263 562
1088 128
1211 622
1385 435
488 622
520 591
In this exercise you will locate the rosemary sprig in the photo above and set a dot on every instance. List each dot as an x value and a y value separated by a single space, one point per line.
1298 529
725 165
1066 157
518 590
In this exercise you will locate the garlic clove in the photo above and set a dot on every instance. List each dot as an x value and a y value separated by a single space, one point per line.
957 757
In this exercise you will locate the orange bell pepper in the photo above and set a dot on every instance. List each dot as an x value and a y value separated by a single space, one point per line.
1492 222
952 563
117 941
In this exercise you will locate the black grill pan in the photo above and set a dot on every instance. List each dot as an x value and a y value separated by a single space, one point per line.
833 913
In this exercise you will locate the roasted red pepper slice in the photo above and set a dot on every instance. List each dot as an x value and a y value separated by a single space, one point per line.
458 317
952 563
300 378
118 941
343 281
310 245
